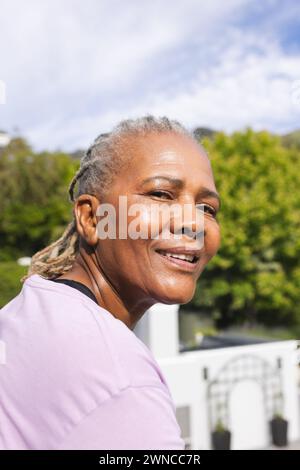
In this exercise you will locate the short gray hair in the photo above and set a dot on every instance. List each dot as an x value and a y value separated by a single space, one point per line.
103 159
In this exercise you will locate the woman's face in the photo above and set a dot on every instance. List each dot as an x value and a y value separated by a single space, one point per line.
162 169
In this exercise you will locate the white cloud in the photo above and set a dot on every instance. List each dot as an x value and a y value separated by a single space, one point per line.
73 69
244 88
2 92
295 91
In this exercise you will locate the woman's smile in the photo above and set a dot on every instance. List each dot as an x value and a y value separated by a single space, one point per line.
180 258
182 264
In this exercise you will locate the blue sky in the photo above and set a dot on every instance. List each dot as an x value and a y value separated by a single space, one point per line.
73 69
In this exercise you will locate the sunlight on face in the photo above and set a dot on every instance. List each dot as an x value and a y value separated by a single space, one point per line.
162 169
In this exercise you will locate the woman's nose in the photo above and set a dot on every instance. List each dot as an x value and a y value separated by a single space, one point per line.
188 221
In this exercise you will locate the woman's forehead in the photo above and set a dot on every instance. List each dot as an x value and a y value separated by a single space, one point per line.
174 157
166 150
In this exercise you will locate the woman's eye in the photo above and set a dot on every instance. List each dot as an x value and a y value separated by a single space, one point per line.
207 208
160 194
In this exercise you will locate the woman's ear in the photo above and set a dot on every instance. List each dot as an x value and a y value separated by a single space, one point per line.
85 210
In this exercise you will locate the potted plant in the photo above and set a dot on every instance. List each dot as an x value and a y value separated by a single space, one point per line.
221 436
279 427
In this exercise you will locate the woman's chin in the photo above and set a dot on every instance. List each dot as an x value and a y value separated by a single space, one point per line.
176 297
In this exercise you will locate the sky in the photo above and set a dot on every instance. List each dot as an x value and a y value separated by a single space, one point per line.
72 69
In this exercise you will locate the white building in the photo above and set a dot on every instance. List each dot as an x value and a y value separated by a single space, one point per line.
241 384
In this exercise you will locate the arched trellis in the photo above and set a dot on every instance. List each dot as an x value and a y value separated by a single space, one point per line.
240 368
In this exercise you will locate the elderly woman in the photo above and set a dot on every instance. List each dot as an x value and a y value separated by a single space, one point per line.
76 376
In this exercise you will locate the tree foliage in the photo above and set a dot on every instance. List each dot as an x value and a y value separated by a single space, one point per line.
255 277
34 200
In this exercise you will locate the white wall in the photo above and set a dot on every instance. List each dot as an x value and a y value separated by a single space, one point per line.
184 374
158 329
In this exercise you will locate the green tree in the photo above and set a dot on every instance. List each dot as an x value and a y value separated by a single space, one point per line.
10 284
255 277
292 140
34 199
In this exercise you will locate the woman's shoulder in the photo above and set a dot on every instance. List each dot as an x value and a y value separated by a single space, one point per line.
67 355
84 338
51 328
132 359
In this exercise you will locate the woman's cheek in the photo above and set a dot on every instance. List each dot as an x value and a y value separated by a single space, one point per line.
143 222
213 238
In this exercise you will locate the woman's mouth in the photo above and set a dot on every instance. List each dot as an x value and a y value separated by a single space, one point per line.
184 261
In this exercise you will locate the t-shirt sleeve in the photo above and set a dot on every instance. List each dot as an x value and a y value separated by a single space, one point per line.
136 418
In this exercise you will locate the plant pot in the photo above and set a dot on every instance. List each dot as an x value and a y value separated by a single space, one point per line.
279 427
221 440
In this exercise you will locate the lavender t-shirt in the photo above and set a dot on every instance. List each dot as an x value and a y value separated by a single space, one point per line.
76 377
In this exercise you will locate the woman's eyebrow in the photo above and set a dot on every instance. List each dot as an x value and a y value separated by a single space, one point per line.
175 181
178 183
205 192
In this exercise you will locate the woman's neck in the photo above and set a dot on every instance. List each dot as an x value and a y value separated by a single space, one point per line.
86 270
